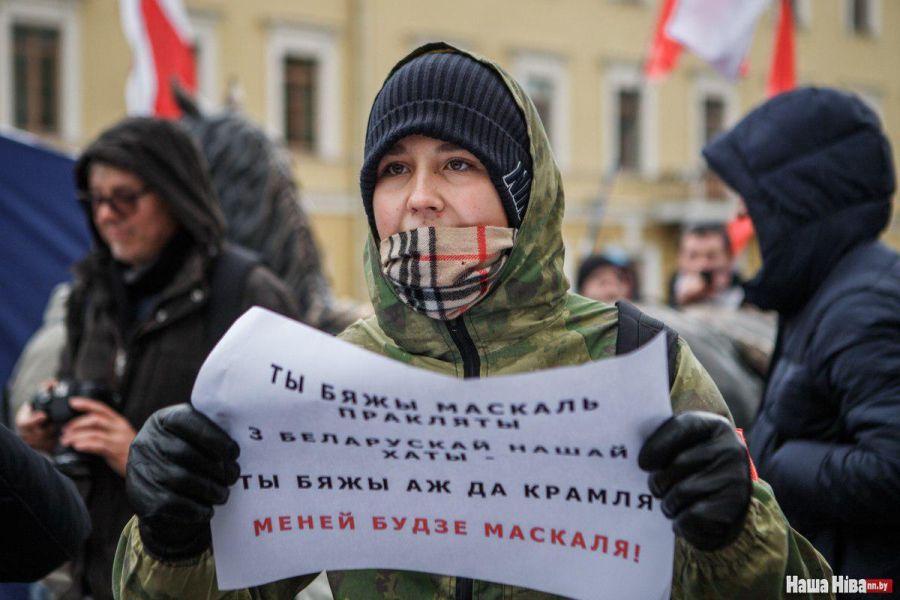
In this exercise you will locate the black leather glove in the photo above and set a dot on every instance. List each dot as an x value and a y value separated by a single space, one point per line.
700 470
179 466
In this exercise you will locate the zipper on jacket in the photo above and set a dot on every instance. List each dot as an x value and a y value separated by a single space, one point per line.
471 369
463 341
121 358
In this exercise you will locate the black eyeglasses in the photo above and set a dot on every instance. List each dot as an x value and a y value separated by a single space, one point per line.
121 202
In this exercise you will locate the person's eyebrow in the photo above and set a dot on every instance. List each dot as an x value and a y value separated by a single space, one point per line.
396 149
448 147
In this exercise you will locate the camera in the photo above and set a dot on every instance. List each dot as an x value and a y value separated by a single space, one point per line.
707 277
55 402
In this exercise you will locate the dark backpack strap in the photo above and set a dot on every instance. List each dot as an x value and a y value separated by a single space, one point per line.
637 328
226 288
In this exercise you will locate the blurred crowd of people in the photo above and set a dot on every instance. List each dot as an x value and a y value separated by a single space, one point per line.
190 228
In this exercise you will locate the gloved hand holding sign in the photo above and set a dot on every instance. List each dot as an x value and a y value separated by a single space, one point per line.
180 465
700 470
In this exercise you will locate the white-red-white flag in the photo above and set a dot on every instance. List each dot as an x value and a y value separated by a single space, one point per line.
159 34
718 31
664 51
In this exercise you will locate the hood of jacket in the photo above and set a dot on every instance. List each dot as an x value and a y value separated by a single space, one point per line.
531 289
168 161
817 176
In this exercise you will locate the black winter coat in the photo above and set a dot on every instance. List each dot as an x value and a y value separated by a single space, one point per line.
146 340
157 366
817 176
42 518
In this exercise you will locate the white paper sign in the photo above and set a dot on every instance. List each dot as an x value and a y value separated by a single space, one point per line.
350 460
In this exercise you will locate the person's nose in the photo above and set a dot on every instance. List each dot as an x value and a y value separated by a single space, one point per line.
425 196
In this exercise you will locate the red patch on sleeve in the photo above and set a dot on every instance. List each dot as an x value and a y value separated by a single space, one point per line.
753 474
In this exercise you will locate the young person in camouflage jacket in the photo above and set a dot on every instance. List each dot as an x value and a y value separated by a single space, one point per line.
457 162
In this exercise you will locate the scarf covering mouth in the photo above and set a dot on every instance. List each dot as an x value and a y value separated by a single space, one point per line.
442 272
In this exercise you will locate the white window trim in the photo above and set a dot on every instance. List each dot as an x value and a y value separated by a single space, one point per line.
802 15
209 92
62 15
621 76
874 14
803 18
552 68
703 87
306 42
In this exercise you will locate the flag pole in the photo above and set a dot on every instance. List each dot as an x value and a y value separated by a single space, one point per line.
597 211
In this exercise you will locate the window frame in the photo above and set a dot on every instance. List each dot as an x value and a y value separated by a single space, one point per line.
313 75
40 32
626 76
319 45
203 27
55 14
553 69
704 87
707 86
873 27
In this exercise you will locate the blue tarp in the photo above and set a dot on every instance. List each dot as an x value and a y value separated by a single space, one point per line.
14 591
43 232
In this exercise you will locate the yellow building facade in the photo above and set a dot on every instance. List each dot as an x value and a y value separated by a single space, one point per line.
308 71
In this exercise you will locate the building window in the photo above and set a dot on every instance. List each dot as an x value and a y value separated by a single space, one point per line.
300 114
860 17
714 109
40 68
713 117
540 90
863 17
304 101
545 79
713 124
36 78
628 155
629 121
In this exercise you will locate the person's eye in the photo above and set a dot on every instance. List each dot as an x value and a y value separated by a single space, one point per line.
394 168
127 197
458 164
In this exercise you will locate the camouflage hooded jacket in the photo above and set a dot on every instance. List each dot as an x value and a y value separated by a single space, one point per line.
528 322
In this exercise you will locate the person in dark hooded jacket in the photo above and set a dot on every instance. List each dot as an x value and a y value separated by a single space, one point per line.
144 311
817 176
456 159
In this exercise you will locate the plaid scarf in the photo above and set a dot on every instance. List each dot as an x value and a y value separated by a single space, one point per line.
443 271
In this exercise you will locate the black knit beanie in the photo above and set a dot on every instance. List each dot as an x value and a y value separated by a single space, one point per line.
453 98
